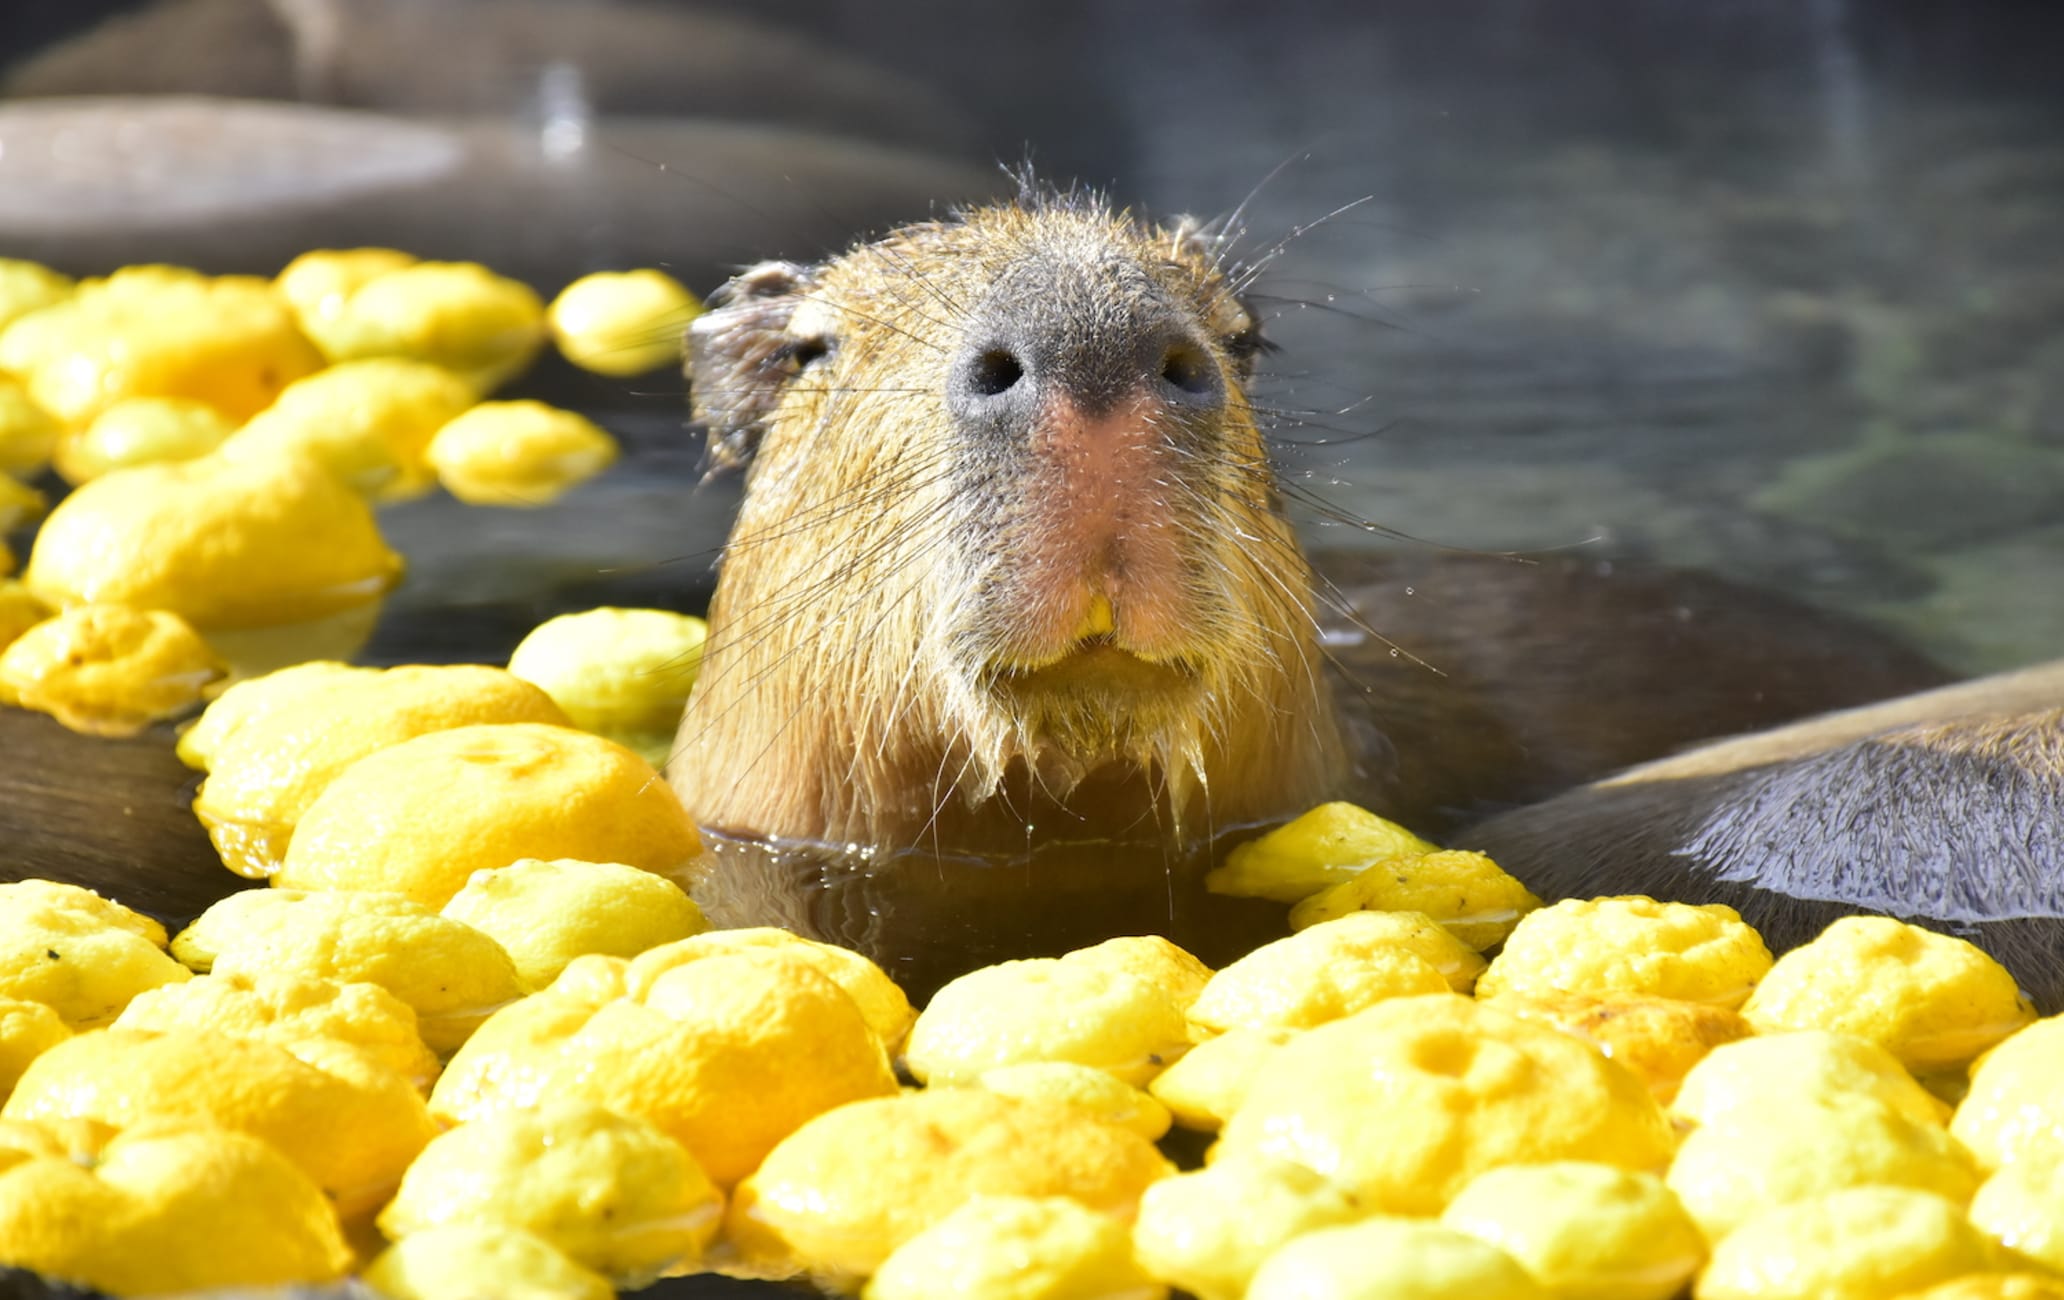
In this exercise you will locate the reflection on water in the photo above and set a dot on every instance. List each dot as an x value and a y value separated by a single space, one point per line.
926 917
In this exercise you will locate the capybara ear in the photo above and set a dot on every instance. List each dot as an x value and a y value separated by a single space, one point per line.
1190 239
740 355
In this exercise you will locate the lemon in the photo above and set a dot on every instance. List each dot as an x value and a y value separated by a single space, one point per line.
1603 946
882 1004
2022 1208
317 285
162 1211
1584 1231
420 817
451 975
2013 1111
1016 1248
1208 1084
222 543
351 1125
1314 976
1391 1259
1659 1039
273 745
255 700
544 914
521 453
1859 1244
622 673
1091 1091
367 422
1758 1076
142 431
28 433
844 1191
727 1054
480 1261
289 1007
26 286
1731 1169
457 315
1207 1231
613 1193
1152 958
158 332
622 322
1046 1009
27 1030
1466 892
1330 845
81 955
1931 1000
1405 1103
109 670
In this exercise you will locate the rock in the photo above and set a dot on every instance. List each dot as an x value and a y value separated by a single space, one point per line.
493 57
229 185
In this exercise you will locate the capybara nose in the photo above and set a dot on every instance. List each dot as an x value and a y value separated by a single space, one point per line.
1001 380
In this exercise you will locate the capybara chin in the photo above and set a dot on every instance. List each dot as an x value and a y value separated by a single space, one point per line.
1010 549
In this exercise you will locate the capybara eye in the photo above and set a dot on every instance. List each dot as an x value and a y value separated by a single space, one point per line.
995 372
799 354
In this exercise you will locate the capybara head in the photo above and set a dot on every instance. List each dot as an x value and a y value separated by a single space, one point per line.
1011 560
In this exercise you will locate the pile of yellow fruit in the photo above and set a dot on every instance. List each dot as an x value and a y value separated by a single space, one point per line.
452 1069
230 436
467 1035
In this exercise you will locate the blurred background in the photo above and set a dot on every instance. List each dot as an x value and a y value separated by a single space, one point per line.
1765 287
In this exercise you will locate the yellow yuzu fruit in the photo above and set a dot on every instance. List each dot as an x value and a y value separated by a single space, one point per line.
141 431
351 1125
285 737
109 670
160 1211
450 974
1045 1009
481 1261
82 955
1405 1103
1207 1085
1391 1259
420 817
1631 945
368 422
622 322
1330 845
612 1192
1016 1248
842 1192
1864 1243
521 453
544 914
1207 1231
222 543
1467 893
727 1054
1584 1231
1314 976
288 1007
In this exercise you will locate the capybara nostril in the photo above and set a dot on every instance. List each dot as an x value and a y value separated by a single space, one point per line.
1189 375
993 372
